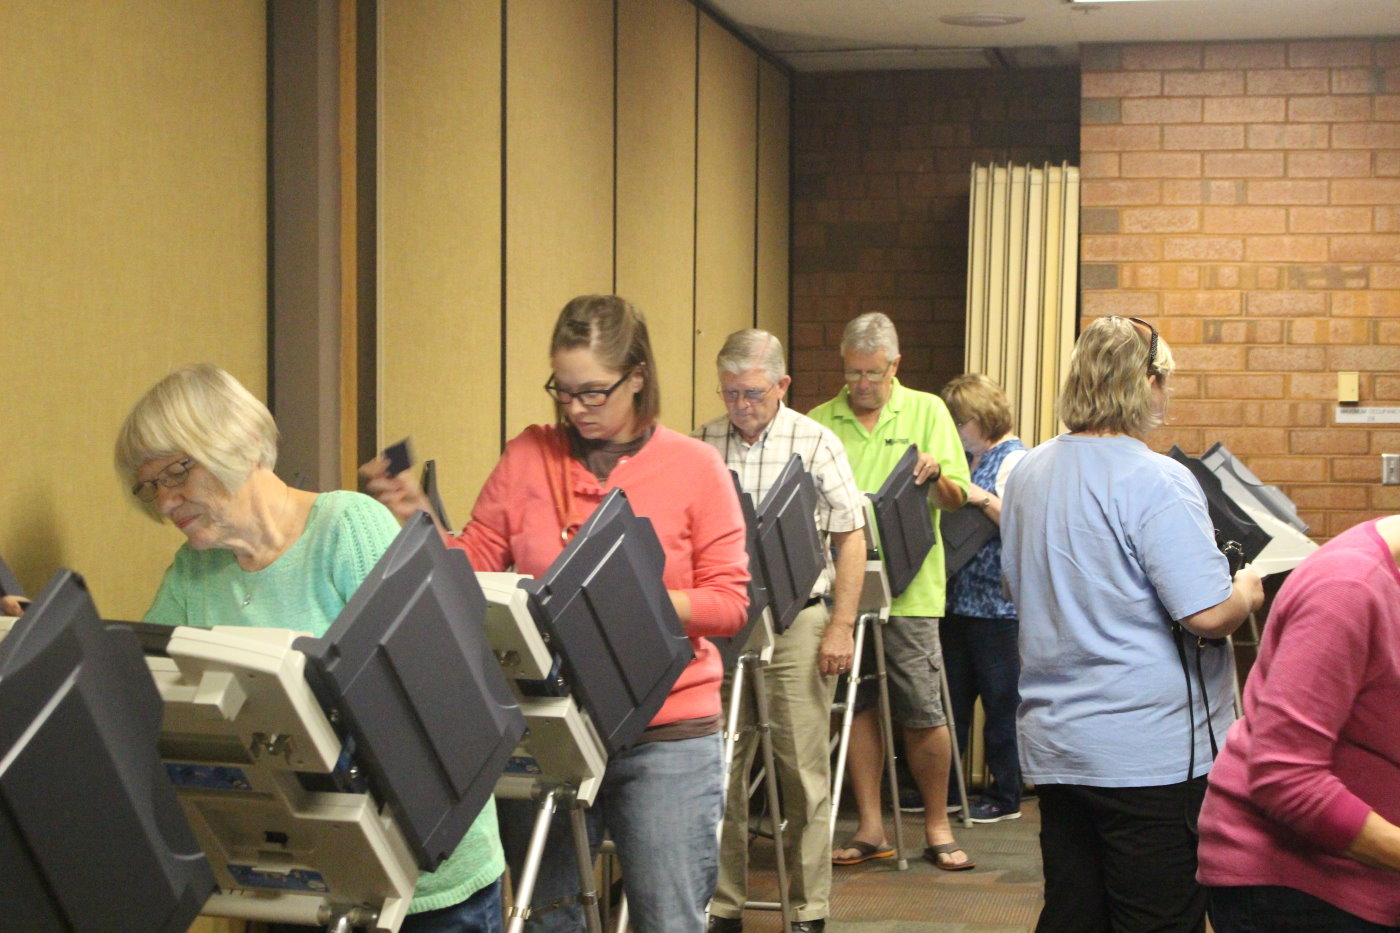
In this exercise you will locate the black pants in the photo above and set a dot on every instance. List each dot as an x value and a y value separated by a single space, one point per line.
1121 858
1273 909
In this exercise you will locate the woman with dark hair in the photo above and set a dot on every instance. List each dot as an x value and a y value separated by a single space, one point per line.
661 799
1110 560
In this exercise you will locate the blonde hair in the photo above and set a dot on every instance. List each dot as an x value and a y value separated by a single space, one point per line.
202 412
974 397
616 332
1107 388
870 333
752 348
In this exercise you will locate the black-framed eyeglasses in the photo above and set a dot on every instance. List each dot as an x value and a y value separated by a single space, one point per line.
1151 346
871 375
751 396
172 476
592 398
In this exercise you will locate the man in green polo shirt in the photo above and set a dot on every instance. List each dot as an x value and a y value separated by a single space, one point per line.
876 420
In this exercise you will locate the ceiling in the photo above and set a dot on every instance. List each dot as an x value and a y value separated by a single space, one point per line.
861 35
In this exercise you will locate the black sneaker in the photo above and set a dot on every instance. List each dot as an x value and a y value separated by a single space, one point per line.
991 813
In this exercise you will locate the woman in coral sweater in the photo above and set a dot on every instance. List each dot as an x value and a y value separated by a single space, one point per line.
661 799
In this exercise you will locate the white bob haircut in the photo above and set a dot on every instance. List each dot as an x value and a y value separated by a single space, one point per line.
752 348
202 412
870 333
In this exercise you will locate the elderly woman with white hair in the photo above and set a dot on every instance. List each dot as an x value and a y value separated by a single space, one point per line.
199 449
1111 562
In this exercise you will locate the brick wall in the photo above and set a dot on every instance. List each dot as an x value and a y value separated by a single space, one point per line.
1246 199
880 198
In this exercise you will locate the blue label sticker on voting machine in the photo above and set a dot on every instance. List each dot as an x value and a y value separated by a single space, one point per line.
298 879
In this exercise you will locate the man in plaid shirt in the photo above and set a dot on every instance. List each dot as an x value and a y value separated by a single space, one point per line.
757 438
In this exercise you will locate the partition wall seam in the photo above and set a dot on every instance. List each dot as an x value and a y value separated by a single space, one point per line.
695 219
616 54
505 197
757 174
792 173
269 118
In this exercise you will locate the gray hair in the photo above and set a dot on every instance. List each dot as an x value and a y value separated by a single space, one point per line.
752 348
203 412
870 333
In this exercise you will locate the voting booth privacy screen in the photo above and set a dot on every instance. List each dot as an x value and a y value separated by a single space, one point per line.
407 669
605 609
904 522
92 838
790 547
1231 523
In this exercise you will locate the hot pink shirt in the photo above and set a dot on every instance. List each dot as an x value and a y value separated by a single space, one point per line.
677 482
1319 746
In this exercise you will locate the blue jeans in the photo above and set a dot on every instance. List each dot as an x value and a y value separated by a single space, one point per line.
661 802
981 659
480 913
1274 909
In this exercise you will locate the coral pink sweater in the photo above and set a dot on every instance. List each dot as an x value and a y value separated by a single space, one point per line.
681 485
1318 747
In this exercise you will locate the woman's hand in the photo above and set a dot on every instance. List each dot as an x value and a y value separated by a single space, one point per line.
400 493
13 605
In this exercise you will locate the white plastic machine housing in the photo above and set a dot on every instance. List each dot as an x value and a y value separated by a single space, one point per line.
240 723
560 745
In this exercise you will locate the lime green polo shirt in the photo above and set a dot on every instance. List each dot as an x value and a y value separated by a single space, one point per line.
909 417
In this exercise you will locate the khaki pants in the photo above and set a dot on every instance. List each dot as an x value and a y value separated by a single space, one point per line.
799 703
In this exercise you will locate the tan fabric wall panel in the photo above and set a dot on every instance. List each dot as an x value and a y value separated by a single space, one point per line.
135 241
773 228
440 238
559 181
656 185
727 154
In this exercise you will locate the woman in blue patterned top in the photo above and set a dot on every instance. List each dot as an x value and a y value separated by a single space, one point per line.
980 628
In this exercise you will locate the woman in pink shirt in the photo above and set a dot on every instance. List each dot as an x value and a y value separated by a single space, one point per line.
661 799
1298 829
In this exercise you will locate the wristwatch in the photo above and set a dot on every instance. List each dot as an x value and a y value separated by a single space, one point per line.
984 502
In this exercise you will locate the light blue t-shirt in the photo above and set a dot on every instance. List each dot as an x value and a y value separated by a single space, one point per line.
1104 544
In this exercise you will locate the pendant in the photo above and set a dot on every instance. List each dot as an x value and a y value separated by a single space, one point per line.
247 598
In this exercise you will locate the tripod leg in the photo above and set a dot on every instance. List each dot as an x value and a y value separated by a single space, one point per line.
525 890
887 731
588 895
765 736
957 762
843 740
731 725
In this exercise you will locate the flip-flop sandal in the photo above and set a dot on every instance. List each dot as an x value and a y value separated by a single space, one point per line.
932 853
866 850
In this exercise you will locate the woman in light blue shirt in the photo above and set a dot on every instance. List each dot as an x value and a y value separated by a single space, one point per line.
1107 549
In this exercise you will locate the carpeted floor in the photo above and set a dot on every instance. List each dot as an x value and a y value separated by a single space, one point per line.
1001 895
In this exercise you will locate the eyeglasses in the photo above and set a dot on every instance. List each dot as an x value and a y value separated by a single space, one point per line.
871 375
751 396
172 476
592 398
1151 346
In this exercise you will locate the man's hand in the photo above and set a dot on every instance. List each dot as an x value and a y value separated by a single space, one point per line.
837 647
928 468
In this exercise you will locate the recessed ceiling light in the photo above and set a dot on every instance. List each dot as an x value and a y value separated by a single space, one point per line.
981 19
